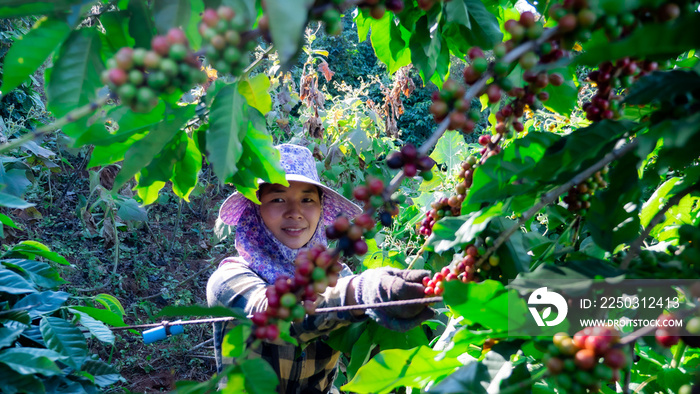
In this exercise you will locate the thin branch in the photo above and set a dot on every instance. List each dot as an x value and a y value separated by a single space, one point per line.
208 341
70 117
258 60
471 93
635 247
678 356
428 300
552 196
420 253
641 385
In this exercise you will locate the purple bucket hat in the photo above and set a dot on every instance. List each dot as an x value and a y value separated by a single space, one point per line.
299 165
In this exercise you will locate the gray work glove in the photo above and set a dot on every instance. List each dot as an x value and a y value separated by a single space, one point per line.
390 284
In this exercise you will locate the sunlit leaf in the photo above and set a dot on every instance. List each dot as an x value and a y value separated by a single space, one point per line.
255 91
31 50
75 76
228 126
287 21
398 367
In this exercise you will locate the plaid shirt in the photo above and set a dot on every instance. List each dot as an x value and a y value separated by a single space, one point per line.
301 369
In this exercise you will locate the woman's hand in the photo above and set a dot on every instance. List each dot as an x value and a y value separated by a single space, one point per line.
389 284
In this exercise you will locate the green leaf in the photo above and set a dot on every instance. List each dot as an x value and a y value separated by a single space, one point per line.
65 339
20 316
398 367
678 137
376 257
40 273
449 232
423 49
75 75
514 252
141 24
111 303
613 218
15 181
31 249
192 28
11 382
103 373
10 201
390 339
13 283
478 26
259 376
7 221
255 91
390 43
161 167
563 98
149 194
29 51
142 152
28 363
8 335
228 126
344 338
654 204
465 380
451 150
234 343
673 378
364 24
186 170
360 353
130 125
651 39
171 13
287 22
662 85
575 275
15 8
194 310
129 209
495 180
103 315
485 303
116 25
96 327
43 303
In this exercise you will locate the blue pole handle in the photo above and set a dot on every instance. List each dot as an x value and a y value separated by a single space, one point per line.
159 333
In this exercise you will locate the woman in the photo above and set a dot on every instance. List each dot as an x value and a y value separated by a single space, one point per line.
268 238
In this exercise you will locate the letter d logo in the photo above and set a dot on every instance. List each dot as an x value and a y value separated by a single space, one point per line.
543 297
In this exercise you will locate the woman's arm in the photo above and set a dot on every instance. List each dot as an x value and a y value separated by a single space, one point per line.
234 285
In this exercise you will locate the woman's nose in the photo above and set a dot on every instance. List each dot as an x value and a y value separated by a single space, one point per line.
293 210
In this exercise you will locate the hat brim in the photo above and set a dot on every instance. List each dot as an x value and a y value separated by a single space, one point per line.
334 204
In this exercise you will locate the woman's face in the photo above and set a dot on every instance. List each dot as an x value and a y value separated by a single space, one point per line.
291 213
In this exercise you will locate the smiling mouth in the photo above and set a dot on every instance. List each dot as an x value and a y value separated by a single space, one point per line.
294 231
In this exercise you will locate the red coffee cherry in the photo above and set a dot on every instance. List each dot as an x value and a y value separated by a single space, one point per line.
376 186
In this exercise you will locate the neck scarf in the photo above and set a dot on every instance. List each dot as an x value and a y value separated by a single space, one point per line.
262 251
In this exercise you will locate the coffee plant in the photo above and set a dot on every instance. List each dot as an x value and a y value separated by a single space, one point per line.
44 346
613 197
